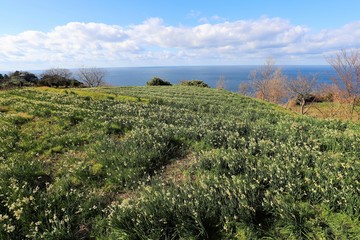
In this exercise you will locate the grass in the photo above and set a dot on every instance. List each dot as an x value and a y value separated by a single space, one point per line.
172 162
331 110
96 94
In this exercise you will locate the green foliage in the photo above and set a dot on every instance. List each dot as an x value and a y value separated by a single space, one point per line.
58 77
196 83
58 81
156 81
182 212
25 76
115 129
75 118
180 163
18 79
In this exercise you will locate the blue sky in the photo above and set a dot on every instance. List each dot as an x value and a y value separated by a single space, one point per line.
39 34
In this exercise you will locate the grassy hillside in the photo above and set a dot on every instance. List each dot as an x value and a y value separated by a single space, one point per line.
172 163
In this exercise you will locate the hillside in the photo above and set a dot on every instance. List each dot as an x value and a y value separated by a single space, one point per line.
172 163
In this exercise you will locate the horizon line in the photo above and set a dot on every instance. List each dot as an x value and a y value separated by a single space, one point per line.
170 66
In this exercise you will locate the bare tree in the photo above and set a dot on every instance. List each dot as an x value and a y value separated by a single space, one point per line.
268 82
301 88
244 89
277 90
92 77
220 84
261 79
346 64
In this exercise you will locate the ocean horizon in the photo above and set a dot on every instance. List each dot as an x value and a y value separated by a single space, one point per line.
233 74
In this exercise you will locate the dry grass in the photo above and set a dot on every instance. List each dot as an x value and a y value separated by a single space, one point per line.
330 110
176 171
4 109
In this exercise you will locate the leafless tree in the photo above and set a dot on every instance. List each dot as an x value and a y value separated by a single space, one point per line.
268 82
92 77
301 88
244 89
346 64
261 79
221 83
277 90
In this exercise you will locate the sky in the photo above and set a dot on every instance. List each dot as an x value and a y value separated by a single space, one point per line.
42 34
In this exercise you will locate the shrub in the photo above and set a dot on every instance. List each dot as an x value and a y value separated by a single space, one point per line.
58 81
156 81
196 83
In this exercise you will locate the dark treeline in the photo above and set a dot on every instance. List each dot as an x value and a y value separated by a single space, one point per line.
55 77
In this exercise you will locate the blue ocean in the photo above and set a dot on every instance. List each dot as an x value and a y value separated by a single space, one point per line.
233 75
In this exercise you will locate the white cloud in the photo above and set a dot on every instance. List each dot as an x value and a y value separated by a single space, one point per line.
154 42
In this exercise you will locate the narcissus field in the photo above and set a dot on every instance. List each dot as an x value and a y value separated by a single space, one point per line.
172 162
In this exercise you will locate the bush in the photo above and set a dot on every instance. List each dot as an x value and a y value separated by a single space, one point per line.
156 81
58 81
196 83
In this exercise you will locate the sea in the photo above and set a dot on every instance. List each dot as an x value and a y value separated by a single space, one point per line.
233 75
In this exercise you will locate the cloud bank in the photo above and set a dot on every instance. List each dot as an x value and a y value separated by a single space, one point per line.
154 43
